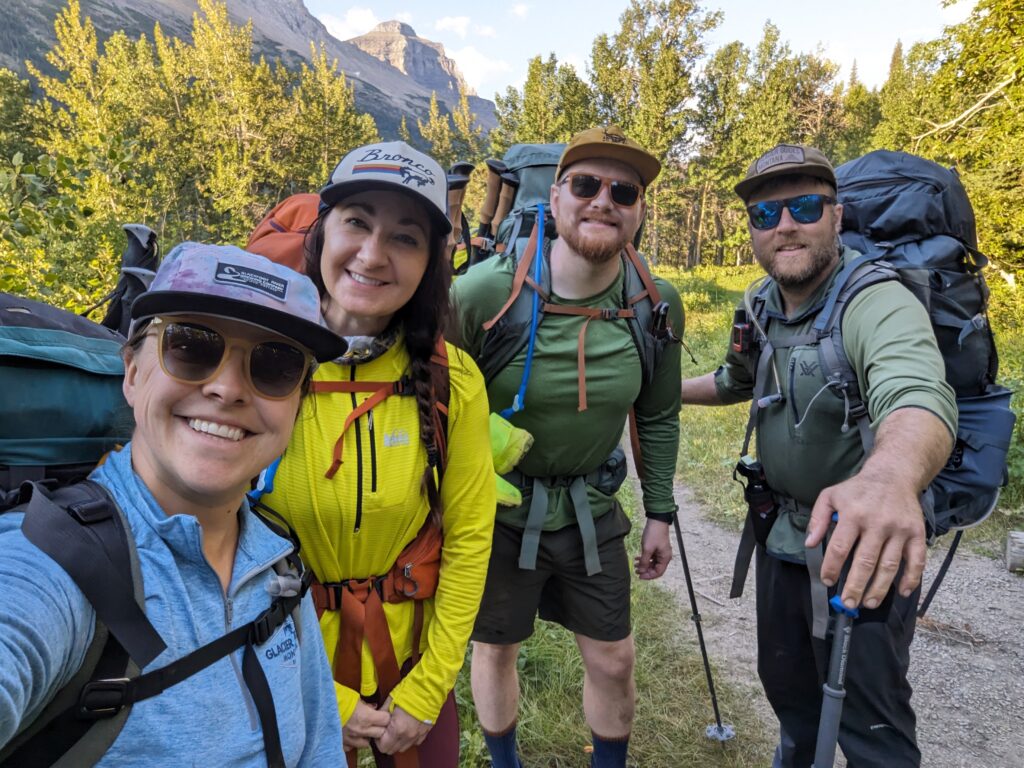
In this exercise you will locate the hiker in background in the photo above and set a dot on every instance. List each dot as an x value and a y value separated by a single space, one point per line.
219 357
562 551
812 464
392 453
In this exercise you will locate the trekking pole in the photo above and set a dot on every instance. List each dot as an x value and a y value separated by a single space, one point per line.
717 730
834 688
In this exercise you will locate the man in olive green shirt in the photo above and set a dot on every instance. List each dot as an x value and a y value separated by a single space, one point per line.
586 374
815 465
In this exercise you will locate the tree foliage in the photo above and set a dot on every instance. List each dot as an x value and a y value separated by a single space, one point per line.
198 138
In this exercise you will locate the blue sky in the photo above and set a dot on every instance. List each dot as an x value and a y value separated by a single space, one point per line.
492 42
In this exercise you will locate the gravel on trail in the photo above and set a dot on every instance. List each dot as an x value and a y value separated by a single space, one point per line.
967 660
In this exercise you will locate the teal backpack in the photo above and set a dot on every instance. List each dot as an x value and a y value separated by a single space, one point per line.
62 407
516 184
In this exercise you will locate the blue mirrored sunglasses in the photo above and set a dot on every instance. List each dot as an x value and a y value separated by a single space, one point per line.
805 209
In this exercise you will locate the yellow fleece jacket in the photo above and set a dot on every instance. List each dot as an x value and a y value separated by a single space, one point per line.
356 524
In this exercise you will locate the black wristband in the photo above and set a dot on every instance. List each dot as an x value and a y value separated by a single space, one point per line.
662 517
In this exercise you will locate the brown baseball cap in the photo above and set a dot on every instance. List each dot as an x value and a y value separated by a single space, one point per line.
609 142
786 160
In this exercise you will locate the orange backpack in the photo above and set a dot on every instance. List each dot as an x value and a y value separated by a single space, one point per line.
282 233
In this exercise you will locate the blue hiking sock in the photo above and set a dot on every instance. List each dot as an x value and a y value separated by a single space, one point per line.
502 747
609 753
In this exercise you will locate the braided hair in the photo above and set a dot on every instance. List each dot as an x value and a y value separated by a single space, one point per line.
423 321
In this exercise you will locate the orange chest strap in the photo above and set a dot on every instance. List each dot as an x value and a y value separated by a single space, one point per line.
590 313
381 390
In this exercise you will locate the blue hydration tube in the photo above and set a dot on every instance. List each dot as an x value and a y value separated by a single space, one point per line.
519 401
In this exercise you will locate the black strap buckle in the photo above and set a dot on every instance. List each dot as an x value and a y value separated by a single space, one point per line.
266 623
103 698
91 511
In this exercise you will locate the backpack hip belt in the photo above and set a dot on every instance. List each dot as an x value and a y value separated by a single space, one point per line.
607 478
414 576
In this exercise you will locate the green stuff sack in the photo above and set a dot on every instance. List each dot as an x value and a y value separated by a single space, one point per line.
62 407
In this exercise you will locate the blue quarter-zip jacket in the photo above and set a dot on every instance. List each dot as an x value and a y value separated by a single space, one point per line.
209 719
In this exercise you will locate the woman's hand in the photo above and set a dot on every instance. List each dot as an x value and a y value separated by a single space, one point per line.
402 732
365 723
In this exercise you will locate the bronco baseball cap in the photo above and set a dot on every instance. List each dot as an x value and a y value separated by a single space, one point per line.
225 281
392 165
609 142
786 160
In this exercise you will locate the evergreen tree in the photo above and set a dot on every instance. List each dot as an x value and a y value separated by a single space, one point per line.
437 132
323 124
467 136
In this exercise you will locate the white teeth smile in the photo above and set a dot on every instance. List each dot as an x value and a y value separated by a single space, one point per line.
220 430
363 280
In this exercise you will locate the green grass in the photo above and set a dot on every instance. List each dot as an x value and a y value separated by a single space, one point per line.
673 705
712 437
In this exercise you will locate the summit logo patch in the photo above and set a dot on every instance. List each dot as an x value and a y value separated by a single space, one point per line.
778 156
253 279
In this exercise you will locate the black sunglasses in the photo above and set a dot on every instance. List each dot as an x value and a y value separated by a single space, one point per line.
195 354
805 209
587 186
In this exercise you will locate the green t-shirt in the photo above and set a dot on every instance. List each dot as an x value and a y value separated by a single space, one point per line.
891 347
568 441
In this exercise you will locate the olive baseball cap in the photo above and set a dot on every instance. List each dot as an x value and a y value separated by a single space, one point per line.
392 165
786 160
609 142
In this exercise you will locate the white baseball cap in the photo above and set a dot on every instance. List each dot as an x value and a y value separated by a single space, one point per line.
392 165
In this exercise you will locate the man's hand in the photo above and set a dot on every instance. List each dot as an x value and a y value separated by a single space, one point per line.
365 723
881 522
655 551
403 731
880 518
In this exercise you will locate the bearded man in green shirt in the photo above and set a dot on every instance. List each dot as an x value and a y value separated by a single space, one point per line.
561 553
814 464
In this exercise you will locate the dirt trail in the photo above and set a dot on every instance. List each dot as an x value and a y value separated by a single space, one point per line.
967 661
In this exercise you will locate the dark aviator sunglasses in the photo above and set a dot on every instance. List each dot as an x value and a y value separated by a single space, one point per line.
195 354
805 209
587 186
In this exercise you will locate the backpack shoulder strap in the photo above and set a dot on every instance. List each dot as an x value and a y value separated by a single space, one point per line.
503 340
642 296
521 277
855 277
82 529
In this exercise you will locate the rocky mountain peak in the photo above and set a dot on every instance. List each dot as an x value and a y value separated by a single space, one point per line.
425 61
394 27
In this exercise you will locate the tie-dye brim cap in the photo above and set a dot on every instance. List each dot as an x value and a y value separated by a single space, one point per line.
225 281
392 165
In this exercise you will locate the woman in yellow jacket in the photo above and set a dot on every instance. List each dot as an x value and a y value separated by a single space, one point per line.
367 469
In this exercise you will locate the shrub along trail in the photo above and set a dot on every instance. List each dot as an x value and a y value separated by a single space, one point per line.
967 660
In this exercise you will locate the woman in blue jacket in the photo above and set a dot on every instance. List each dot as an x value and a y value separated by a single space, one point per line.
220 354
